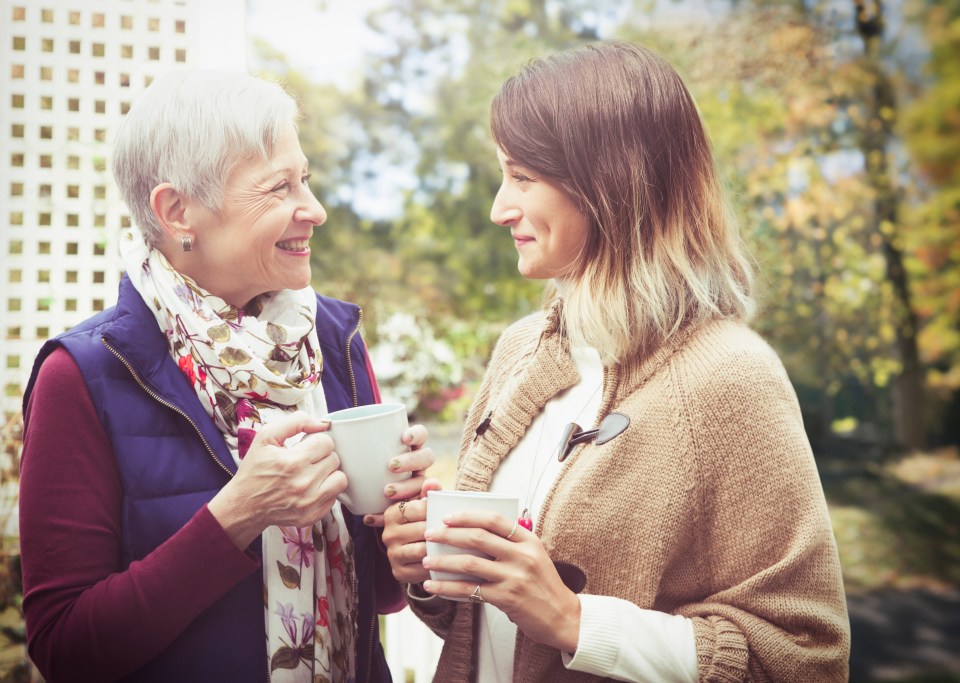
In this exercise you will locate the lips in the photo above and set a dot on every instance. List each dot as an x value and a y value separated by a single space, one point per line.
296 246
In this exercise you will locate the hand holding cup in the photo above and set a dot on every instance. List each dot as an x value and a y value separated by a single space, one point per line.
374 445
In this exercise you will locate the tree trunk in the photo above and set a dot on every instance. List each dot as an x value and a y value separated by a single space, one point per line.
908 387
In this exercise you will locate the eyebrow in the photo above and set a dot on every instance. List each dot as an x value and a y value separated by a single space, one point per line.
512 163
282 171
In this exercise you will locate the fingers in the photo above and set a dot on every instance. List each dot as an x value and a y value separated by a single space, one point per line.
430 485
316 448
462 590
411 555
406 561
409 573
277 432
403 490
326 493
404 524
399 521
415 436
487 528
311 493
289 486
374 520
414 461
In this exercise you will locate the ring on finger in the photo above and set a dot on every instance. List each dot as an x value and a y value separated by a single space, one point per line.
475 596
513 530
403 504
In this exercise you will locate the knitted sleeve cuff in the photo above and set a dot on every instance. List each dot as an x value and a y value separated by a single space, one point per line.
620 640
596 650
722 651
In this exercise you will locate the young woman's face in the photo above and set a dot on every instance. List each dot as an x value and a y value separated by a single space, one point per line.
548 229
260 240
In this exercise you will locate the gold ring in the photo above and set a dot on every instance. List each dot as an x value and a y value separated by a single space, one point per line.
475 595
513 530
403 504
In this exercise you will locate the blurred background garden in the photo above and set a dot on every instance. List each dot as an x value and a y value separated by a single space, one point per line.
836 125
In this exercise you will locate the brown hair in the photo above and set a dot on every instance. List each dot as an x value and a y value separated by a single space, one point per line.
613 124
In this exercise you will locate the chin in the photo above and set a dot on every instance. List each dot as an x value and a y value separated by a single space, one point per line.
298 283
531 273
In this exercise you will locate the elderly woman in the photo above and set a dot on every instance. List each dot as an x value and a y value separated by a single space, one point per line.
688 540
179 519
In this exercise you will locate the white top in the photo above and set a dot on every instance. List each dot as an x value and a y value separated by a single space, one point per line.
617 639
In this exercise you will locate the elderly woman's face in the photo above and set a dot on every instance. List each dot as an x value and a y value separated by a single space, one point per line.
260 241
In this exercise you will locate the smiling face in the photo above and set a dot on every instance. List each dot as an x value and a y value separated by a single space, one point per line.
548 229
259 241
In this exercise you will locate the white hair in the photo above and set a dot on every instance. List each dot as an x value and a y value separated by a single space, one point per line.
191 129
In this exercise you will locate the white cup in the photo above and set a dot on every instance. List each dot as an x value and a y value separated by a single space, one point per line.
366 438
442 503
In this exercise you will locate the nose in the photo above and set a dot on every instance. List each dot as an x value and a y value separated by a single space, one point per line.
310 210
504 212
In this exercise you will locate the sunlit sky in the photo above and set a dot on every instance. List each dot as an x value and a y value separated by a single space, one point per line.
325 39
328 39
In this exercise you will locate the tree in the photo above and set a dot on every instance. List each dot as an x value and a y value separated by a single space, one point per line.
804 123
875 140
930 126
802 100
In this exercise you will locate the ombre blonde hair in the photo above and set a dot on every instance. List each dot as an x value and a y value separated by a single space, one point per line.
613 124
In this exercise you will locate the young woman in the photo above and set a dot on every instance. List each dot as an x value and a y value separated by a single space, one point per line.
689 540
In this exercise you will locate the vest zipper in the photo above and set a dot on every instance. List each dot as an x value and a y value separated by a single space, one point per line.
373 621
353 379
356 584
166 403
353 387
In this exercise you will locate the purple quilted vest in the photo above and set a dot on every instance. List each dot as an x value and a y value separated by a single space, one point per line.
141 397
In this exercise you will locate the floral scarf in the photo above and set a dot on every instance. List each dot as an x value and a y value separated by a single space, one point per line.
250 367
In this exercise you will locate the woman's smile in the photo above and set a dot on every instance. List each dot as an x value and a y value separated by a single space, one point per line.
521 240
296 247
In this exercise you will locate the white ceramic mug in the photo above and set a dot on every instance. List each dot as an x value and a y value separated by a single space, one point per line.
366 438
442 503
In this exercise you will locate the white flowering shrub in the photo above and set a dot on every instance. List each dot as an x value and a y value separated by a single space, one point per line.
414 367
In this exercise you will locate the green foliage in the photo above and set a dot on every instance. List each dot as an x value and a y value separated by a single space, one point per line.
840 161
931 131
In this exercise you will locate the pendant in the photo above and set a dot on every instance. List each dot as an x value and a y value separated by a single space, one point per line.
525 520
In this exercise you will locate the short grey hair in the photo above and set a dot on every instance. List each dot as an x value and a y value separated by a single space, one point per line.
191 129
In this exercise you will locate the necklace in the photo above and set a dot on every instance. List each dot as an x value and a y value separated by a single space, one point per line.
525 520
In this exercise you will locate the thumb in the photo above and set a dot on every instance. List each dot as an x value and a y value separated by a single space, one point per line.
430 485
276 433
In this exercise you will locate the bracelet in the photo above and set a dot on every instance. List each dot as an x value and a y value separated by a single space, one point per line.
426 597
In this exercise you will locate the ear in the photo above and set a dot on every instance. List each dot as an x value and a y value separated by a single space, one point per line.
170 209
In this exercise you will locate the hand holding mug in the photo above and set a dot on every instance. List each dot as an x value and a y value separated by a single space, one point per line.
415 461
510 569
382 458
280 484
404 527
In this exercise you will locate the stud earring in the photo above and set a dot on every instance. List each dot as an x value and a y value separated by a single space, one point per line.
186 243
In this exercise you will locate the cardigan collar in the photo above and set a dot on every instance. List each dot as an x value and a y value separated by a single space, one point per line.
543 372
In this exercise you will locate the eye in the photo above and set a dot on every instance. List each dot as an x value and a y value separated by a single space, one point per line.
520 178
304 179
280 187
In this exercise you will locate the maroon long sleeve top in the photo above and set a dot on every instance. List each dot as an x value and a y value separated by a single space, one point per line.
83 611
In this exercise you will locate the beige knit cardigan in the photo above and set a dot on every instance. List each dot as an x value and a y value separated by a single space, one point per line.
709 505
